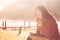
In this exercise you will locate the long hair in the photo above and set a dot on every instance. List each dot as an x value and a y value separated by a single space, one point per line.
45 14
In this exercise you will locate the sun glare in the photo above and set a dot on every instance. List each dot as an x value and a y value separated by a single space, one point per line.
4 3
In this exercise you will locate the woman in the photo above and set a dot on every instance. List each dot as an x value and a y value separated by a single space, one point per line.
46 24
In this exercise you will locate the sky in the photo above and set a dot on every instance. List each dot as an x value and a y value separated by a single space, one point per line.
24 9
4 3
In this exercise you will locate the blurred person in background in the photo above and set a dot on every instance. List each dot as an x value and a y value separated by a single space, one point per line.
46 24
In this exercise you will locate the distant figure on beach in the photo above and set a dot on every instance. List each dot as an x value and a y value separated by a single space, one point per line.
4 25
20 29
46 24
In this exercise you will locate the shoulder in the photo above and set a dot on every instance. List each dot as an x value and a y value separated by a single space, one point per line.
51 22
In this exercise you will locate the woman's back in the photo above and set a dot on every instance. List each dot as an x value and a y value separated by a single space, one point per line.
50 29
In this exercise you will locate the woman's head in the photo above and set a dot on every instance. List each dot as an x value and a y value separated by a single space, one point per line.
42 14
